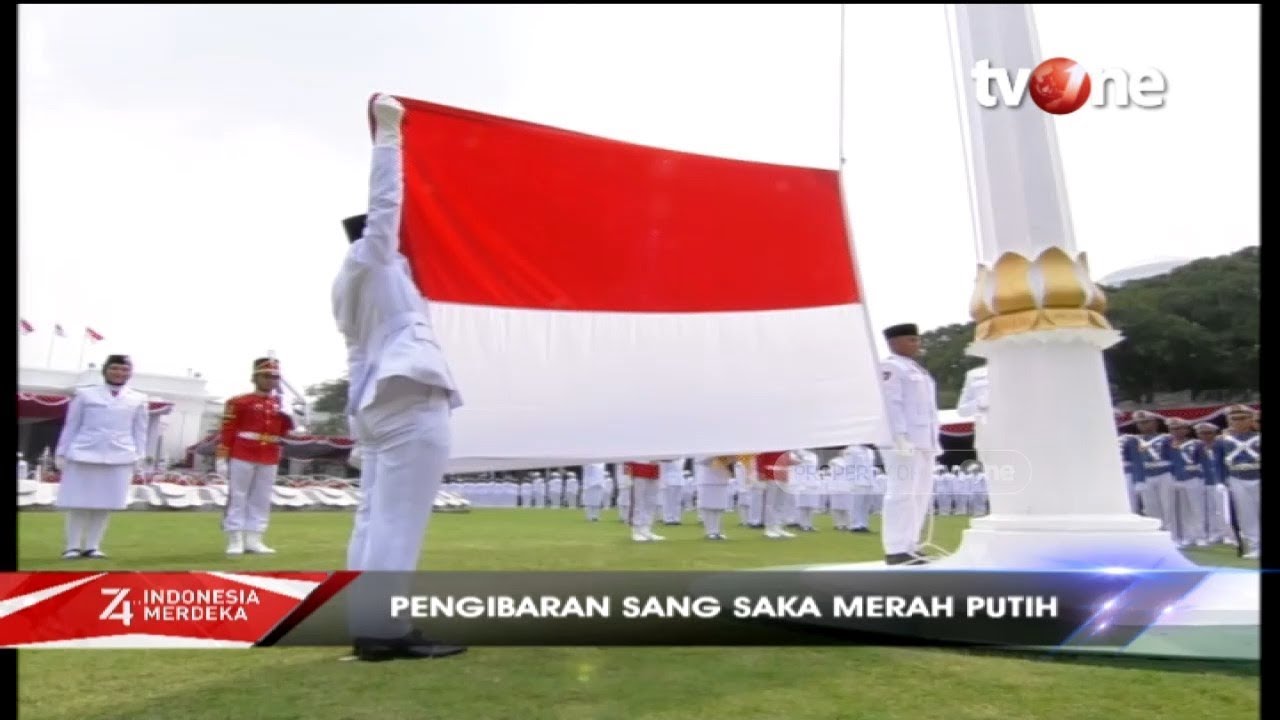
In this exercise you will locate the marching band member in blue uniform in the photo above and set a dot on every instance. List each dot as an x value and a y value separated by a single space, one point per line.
1191 467
1238 456
1217 522
1153 469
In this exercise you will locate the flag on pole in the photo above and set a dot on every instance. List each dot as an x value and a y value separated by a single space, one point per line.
25 327
58 331
599 300
92 334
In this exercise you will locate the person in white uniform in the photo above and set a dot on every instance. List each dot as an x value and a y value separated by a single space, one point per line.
839 487
672 483
572 488
402 396
101 446
806 488
860 464
713 476
622 479
943 482
911 398
593 488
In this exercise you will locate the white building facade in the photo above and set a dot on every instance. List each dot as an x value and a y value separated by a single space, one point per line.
192 413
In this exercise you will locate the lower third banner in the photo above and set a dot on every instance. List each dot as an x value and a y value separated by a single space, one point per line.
1060 610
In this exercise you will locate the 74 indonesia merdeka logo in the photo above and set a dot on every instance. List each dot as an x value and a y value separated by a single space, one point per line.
168 605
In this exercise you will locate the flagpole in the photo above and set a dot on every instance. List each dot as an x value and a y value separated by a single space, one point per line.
84 340
883 439
53 337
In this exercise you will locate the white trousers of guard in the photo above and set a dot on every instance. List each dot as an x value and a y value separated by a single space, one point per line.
405 439
1246 497
1188 500
1217 517
1157 500
249 488
644 503
907 500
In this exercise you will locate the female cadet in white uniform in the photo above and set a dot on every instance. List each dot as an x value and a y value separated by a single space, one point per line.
713 476
99 450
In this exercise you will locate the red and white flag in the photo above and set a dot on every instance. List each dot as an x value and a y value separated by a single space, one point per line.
25 327
93 335
599 300
58 331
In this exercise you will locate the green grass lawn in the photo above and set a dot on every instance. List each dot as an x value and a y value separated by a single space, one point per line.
578 683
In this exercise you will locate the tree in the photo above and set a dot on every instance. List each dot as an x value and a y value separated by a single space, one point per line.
330 398
1194 329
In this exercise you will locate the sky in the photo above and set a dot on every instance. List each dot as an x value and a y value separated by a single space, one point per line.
183 169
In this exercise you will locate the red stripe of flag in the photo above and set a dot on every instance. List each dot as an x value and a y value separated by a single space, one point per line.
26 327
507 213
93 335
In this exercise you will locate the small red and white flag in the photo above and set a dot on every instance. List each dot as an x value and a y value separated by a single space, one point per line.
93 335
57 330
26 327
599 300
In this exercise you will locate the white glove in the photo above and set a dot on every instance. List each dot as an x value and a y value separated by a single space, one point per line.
387 114
355 458
903 446
59 462
220 467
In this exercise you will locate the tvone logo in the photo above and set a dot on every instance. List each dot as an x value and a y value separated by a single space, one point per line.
1060 86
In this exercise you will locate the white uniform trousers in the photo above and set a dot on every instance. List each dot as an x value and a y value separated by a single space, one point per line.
249 487
593 501
942 492
1217 519
1188 500
1135 494
773 504
1246 497
755 506
907 500
864 497
644 496
405 438
1157 500
671 503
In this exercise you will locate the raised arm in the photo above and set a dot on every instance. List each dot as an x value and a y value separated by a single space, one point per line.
380 243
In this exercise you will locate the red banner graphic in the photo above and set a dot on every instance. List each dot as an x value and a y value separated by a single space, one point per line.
145 610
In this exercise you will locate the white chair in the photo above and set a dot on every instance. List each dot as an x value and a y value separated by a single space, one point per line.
46 494
27 492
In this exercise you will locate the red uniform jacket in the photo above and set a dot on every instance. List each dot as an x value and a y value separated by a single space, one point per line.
643 471
770 467
252 426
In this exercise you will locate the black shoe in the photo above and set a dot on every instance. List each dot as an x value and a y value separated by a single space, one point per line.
905 559
93 555
410 647
861 530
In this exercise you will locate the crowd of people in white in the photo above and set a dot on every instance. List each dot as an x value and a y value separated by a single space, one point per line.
849 500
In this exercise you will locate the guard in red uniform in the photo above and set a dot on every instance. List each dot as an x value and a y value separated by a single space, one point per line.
249 453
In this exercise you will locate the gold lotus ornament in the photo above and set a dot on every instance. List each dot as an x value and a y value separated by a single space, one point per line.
1051 292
